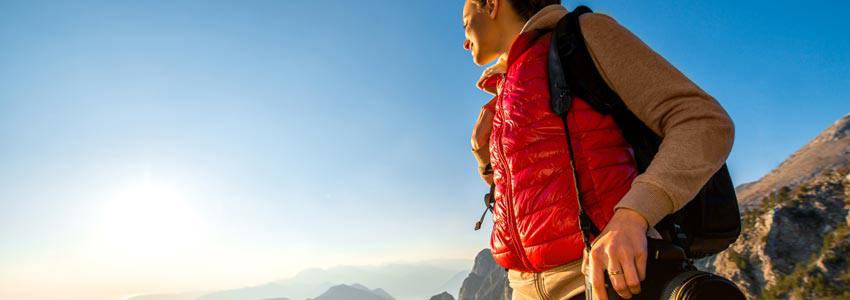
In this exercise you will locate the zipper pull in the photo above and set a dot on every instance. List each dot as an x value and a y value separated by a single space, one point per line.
489 199
480 221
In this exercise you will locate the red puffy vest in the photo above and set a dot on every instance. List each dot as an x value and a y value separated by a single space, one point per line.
535 214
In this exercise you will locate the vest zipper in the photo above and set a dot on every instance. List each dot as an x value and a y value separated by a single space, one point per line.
509 188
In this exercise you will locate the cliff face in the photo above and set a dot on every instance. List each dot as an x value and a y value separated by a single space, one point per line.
794 245
487 281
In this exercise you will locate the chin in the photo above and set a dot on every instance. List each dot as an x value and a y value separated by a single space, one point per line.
480 60
477 61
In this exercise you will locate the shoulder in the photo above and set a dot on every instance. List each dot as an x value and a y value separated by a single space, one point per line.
598 24
595 17
607 40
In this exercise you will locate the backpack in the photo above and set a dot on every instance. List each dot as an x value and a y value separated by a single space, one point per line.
711 221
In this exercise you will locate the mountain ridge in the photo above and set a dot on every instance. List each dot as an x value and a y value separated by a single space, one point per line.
830 149
354 291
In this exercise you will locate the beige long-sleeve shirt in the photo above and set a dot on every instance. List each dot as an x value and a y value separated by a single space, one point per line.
697 132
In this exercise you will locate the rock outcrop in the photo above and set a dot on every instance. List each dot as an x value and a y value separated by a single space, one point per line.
487 281
443 296
794 242
795 245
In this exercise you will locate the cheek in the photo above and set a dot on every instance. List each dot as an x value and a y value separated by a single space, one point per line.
475 38
481 37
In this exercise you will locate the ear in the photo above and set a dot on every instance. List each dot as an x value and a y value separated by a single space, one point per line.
493 5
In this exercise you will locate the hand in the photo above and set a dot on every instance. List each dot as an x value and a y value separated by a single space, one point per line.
621 250
486 173
481 140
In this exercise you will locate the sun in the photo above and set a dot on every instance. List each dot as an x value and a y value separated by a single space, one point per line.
149 219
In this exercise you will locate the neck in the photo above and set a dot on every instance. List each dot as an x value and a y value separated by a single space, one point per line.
545 18
511 29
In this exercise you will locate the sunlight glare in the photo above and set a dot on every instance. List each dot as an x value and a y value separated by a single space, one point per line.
151 219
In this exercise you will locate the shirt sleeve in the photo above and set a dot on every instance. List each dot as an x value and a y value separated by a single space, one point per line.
697 132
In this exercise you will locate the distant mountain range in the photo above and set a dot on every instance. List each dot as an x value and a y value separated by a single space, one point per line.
403 281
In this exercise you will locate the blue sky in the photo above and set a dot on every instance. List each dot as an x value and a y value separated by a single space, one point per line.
279 135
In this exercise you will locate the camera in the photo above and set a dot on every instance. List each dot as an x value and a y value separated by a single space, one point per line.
671 275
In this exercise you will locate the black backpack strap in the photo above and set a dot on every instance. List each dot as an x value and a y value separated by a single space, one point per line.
570 51
560 102
572 72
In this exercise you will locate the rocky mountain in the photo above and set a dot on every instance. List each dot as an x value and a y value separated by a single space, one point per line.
796 244
442 296
486 281
353 292
380 292
795 241
829 150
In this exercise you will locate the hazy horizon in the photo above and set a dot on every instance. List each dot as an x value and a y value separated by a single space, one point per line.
450 265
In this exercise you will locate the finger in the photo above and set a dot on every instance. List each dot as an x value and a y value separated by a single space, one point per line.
615 273
584 264
630 273
597 275
640 262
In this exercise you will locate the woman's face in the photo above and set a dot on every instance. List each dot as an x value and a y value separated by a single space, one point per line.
482 38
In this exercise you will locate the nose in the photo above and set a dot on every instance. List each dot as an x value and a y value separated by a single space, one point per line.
467 44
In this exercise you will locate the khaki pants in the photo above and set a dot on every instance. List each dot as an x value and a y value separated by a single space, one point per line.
559 283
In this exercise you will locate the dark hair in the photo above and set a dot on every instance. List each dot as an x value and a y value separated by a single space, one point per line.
524 8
